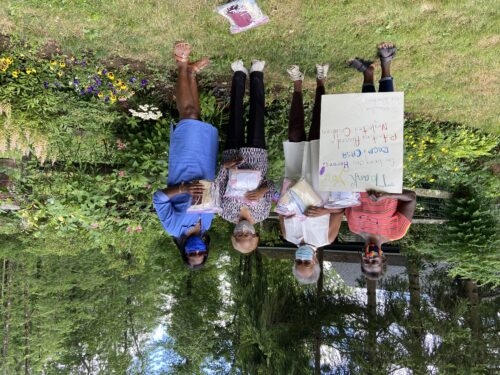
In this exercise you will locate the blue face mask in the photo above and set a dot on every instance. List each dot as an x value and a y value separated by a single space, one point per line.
194 243
304 253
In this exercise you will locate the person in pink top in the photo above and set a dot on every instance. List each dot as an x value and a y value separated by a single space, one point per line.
380 218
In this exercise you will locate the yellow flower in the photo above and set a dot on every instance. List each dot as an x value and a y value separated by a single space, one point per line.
432 180
119 82
15 73
100 95
53 62
123 86
99 71
60 74
110 75
443 149
28 71
62 64
414 175
456 169
112 98
410 157
9 60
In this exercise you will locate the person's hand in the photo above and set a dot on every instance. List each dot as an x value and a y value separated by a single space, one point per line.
194 188
377 196
255 195
233 163
316 211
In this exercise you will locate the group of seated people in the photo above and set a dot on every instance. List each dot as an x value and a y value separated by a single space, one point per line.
378 217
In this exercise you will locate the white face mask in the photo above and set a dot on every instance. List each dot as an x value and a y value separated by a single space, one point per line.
244 226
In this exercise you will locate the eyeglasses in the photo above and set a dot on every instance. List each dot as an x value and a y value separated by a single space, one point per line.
299 262
375 260
196 253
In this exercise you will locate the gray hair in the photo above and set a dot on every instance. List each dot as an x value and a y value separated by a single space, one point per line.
313 278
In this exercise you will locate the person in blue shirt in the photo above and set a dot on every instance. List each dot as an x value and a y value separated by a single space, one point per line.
192 157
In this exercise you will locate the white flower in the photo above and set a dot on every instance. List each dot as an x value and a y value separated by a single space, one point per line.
147 112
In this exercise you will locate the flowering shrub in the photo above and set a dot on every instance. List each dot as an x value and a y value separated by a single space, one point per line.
443 154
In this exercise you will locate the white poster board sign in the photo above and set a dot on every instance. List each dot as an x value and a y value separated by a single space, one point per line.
361 142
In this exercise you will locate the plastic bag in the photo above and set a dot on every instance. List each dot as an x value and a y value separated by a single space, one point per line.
241 181
342 199
243 15
296 199
208 202
304 195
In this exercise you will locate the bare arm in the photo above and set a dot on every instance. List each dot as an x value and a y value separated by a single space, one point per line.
407 203
193 188
335 221
282 225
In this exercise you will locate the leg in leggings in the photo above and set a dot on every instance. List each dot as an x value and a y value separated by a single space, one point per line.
386 83
316 115
256 136
236 127
296 127
368 80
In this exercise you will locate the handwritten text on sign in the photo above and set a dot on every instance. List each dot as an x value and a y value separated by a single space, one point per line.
361 142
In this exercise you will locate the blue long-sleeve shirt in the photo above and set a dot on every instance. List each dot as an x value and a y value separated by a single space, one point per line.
192 156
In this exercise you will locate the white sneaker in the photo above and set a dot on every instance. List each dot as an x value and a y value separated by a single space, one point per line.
294 73
238 66
322 71
257 66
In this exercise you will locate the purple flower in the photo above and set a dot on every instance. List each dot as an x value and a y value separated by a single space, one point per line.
90 89
144 82
98 82
82 92
110 85
76 82
76 62
104 71
114 92
46 84
106 99
84 63
57 84
132 80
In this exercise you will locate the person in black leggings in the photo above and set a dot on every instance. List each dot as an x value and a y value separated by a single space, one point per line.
386 52
246 154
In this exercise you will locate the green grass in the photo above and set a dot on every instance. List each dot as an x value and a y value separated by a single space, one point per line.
447 62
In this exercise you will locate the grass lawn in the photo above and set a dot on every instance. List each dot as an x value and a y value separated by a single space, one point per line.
447 63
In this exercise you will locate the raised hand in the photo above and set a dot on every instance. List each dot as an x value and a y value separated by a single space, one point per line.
316 211
233 163
377 196
194 188
256 194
